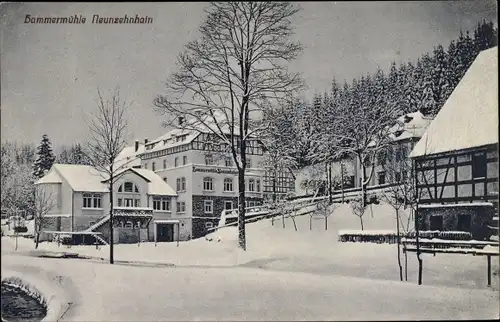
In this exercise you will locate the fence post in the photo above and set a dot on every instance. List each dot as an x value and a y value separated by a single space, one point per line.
488 258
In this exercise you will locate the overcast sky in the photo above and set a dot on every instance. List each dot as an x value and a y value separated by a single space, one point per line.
49 72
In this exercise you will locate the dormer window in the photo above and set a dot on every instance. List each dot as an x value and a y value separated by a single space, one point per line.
408 119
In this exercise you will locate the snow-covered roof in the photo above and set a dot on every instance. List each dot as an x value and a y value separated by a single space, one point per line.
407 126
50 177
128 157
413 126
156 184
169 140
81 177
469 118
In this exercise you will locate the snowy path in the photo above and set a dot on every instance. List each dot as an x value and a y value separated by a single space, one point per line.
123 293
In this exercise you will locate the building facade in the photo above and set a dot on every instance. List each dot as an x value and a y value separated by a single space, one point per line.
79 201
456 161
205 177
388 167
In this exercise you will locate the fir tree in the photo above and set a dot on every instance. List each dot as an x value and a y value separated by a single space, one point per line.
439 79
45 158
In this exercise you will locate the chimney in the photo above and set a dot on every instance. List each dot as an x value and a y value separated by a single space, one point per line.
145 141
136 145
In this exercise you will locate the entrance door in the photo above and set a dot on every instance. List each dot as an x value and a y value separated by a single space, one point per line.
165 232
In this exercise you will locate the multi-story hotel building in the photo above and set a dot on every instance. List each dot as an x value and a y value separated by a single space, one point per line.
205 179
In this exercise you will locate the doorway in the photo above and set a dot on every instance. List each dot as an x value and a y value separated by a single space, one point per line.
165 232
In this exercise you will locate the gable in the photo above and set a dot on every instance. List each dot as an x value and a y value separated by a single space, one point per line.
469 118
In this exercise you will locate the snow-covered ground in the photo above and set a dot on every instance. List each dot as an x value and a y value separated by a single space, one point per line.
284 275
123 293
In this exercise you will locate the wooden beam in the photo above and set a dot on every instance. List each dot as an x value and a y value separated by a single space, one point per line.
446 177
456 200
463 182
456 177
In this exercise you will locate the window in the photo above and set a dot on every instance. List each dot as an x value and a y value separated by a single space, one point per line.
251 185
176 162
208 206
184 160
120 202
208 184
258 185
229 161
464 222
479 165
181 206
436 222
128 187
228 205
161 203
153 166
209 160
249 162
181 184
165 164
381 177
228 184
209 225
87 200
137 203
92 200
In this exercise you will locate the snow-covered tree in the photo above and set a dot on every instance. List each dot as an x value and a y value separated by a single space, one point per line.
45 157
439 79
16 180
229 76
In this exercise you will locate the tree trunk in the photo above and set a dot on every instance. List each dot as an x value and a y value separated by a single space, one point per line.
283 218
420 263
294 223
342 179
406 267
37 239
329 173
361 220
399 246
326 222
241 206
111 223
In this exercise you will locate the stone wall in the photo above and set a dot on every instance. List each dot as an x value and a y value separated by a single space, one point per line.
198 224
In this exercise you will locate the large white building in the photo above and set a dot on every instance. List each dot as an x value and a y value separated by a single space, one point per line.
204 178
78 201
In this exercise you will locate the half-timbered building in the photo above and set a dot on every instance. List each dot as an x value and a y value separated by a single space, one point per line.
456 160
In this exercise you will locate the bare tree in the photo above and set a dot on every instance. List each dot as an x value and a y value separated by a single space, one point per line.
44 203
359 208
325 209
108 126
400 195
229 76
